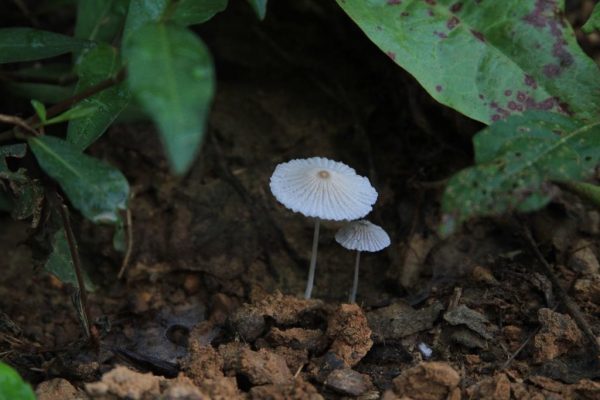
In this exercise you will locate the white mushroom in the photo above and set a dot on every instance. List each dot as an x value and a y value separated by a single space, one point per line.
324 189
361 236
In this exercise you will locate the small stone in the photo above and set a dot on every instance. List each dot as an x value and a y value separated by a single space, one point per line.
583 259
428 381
483 275
588 289
261 367
349 382
558 335
400 320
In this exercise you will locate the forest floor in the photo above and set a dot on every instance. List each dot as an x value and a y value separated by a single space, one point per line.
210 303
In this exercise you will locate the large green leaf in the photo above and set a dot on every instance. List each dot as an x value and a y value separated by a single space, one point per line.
26 44
43 92
593 23
98 190
192 12
142 12
485 59
171 75
260 7
517 161
96 66
12 386
100 20
60 262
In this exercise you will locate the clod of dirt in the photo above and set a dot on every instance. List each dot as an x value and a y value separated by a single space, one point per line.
348 382
483 275
294 358
350 334
583 259
584 389
58 389
467 338
260 367
181 388
558 335
477 322
495 387
205 367
399 320
298 389
312 340
249 320
123 383
428 381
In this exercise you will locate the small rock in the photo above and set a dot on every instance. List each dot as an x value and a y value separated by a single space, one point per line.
261 367
350 334
121 382
558 335
467 338
583 259
428 381
182 388
399 320
477 322
349 382
58 389
514 337
294 358
483 275
493 388
588 289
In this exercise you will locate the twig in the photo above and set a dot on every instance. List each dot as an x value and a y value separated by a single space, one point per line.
21 123
129 230
64 213
570 305
68 103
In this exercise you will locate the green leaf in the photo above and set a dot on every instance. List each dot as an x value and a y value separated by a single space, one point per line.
98 190
517 161
192 12
260 7
40 110
60 262
26 44
593 23
100 20
28 199
96 66
142 12
43 92
179 101
12 386
585 190
484 60
79 111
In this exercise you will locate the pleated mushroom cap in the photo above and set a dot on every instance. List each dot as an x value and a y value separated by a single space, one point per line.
362 236
322 188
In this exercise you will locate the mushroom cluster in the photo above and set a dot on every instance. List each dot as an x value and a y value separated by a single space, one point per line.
330 190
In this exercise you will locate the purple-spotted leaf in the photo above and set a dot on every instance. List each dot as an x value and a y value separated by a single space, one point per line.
517 162
485 59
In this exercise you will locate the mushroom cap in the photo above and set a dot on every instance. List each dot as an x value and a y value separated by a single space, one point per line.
322 188
362 235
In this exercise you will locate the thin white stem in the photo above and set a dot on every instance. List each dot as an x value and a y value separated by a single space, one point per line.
313 262
352 298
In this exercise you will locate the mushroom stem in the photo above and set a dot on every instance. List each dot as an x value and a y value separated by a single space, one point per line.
352 298
313 261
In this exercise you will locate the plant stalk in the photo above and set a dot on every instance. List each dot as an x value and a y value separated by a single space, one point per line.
313 261
352 298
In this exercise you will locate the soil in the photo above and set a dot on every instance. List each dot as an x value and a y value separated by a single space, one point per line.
210 305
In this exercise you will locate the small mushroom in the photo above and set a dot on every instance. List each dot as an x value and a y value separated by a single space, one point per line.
325 190
361 236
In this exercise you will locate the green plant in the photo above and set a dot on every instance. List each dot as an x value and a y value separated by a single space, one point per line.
117 51
516 66
12 386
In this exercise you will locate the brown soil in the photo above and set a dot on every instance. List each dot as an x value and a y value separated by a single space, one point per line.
210 305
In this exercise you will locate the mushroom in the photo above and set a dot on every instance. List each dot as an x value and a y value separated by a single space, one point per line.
325 190
361 235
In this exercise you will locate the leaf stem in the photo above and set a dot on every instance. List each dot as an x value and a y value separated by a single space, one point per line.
586 191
